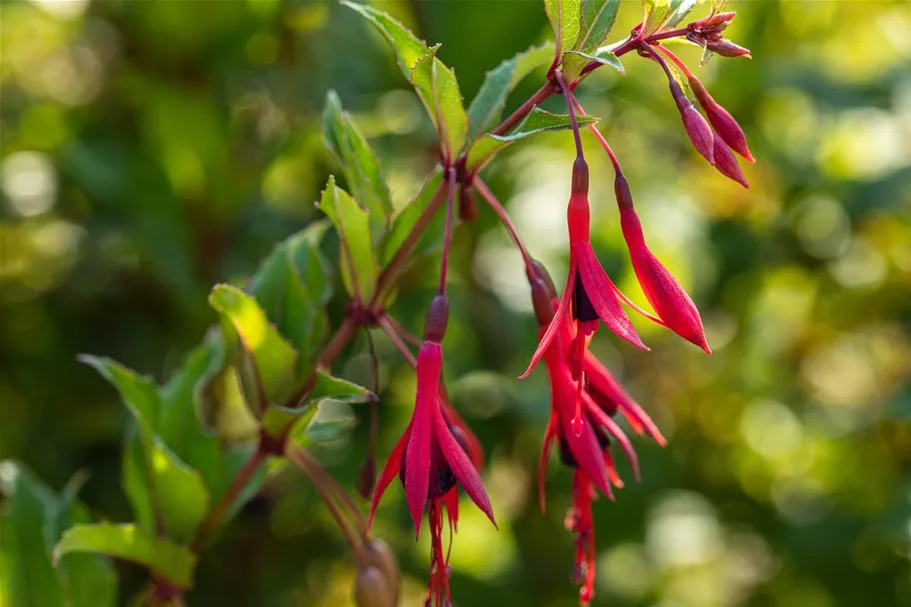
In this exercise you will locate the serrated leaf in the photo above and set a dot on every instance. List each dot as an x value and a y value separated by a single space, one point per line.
139 393
32 521
575 61
597 20
565 20
358 263
441 96
404 222
537 121
338 389
293 286
268 361
487 106
163 558
360 165
408 48
658 14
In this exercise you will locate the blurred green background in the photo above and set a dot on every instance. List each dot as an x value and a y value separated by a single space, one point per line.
151 149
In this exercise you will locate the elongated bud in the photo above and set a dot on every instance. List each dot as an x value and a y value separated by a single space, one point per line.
437 319
580 177
725 125
669 300
716 22
378 554
468 205
366 477
371 589
543 294
726 48
727 164
697 128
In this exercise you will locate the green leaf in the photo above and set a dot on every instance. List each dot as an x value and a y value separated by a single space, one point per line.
487 106
537 121
574 61
87 580
293 286
405 221
162 557
597 20
408 49
441 96
139 393
659 14
268 362
32 520
330 422
565 20
359 164
358 263
336 388
679 10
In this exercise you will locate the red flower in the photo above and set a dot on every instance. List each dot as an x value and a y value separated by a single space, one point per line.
431 459
670 301
589 295
581 423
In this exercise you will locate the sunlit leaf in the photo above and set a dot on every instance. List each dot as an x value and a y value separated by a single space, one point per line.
597 20
487 106
537 121
358 264
443 100
269 362
408 49
336 388
565 20
574 61
162 557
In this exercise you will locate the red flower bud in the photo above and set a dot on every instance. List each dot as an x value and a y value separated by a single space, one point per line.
697 128
727 164
671 303
437 319
725 125
726 48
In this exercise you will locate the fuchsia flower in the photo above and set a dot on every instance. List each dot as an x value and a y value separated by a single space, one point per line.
588 450
589 295
669 300
431 458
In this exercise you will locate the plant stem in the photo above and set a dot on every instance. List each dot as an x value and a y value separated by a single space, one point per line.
397 341
683 67
388 275
447 233
546 90
570 106
237 485
485 192
604 144
300 458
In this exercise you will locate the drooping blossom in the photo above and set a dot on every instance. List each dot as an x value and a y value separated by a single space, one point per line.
431 458
589 295
587 451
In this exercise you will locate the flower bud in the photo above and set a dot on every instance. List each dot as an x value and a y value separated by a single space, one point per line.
437 319
580 177
543 294
725 125
371 589
366 478
697 128
468 206
726 163
378 554
716 22
726 48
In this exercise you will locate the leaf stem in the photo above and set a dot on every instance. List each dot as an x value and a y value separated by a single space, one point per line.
250 467
546 90
570 106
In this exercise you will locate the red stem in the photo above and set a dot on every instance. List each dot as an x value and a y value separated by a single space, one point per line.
570 103
485 192
546 90
447 233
